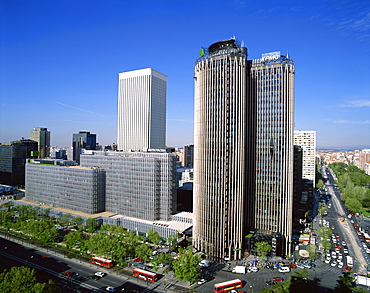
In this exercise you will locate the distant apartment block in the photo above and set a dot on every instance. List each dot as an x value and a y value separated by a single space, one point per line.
58 183
184 175
187 156
141 110
307 140
42 136
138 184
12 160
82 140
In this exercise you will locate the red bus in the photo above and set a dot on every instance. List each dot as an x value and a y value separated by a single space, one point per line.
102 262
227 286
145 275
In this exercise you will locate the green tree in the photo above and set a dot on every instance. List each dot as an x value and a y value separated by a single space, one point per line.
143 251
263 249
186 266
66 219
101 244
353 204
78 221
43 230
312 250
154 237
300 283
9 205
160 258
322 209
6 219
45 212
320 184
344 283
22 279
326 244
106 228
92 225
172 239
73 239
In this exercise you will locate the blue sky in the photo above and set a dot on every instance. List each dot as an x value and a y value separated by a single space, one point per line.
59 61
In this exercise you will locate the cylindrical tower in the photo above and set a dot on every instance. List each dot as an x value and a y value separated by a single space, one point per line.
219 150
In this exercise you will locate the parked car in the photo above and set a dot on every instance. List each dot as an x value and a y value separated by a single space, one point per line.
204 263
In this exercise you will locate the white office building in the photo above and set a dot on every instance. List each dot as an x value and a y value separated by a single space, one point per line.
141 110
307 140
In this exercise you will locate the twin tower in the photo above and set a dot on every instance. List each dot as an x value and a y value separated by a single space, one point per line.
243 144
243 148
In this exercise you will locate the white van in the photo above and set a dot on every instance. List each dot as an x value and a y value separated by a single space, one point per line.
284 270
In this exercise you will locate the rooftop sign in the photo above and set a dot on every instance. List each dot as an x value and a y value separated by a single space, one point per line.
271 56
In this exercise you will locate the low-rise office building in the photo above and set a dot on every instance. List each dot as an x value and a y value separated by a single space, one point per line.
138 184
73 187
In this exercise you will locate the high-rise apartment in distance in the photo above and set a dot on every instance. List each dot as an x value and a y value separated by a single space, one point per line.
307 140
42 136
243 149
219 149
82 140
141 110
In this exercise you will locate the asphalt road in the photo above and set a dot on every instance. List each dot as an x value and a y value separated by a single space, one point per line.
54 267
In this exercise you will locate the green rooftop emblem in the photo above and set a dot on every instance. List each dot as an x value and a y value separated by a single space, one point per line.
201 52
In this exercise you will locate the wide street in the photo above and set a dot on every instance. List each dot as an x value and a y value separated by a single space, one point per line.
51 265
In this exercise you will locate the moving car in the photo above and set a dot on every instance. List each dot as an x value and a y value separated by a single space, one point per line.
252 269
284 270
100 274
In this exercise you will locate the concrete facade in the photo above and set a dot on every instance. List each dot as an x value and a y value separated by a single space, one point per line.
307 140
141 110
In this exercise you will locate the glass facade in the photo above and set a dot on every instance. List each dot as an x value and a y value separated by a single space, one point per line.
82 140
273 88
138 184
82 189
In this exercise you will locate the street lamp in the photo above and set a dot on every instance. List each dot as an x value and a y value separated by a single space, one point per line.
25 263
251 288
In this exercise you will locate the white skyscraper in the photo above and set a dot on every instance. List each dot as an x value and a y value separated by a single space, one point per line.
307 140
141 110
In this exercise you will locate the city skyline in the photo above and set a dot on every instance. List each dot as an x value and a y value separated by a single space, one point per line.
60 62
